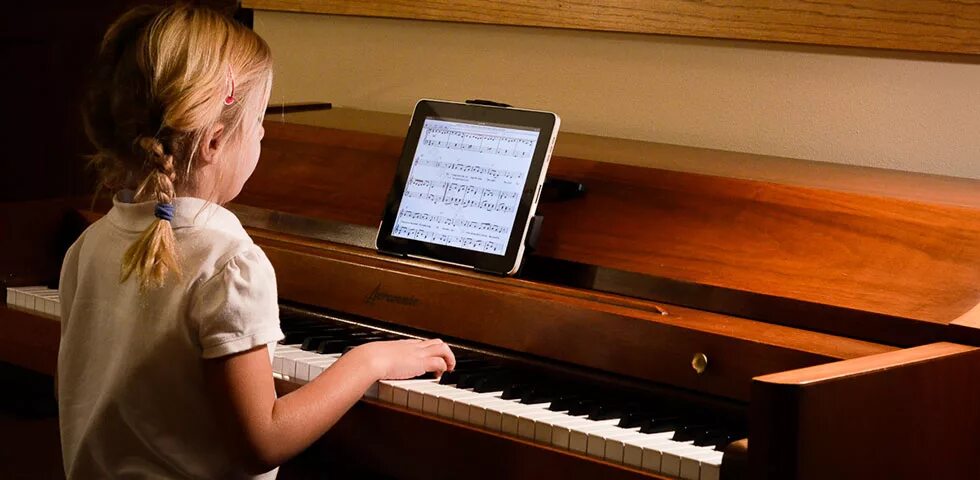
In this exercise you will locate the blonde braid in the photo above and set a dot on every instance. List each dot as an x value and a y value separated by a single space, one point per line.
154 255
159 84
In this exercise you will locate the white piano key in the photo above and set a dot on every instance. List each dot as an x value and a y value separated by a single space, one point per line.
561 430
290 358
303 366
616 445
596 443
11 295
278 356
399 394
30 297
317 367
470 410
528 424
386 391
481 406
20 298
496 411
634 452
671 457
579 436
50 307
711 465
450 400
373 391
544 427
46 301
510 421
422 396
705 464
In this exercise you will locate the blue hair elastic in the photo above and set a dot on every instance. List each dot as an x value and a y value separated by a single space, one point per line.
164 211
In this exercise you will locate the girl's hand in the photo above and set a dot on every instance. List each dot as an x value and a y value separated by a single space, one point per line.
401 359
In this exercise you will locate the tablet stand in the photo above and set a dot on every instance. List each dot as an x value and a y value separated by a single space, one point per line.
530 243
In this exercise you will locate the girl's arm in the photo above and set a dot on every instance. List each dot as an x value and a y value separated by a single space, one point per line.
273 430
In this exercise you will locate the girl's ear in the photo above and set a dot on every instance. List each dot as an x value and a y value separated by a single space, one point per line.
212 142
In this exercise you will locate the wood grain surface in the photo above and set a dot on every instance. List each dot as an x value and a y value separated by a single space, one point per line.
926 25
904 414
914 264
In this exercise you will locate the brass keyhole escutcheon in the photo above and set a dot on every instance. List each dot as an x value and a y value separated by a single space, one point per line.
699 363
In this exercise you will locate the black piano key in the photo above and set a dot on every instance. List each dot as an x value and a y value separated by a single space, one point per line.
662 424
293 337
564 402
689 432
465 376
724 440
469 376
310 343
582 407
633 418
710 437
332 346
636 414
492 383
606 411
517 390
541 394
298 335
449 378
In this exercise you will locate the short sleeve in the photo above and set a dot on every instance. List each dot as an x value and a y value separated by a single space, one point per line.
237 309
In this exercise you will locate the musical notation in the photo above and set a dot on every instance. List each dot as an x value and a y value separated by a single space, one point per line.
465 185
478 142
448 239
457 194
493 173
455 222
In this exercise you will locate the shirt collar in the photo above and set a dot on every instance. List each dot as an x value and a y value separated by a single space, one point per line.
188 212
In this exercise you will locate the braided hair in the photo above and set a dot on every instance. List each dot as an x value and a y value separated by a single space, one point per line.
163 77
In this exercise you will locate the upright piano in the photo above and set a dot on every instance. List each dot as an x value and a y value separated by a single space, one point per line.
707 315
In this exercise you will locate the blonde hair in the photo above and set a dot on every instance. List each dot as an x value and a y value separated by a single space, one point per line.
160 81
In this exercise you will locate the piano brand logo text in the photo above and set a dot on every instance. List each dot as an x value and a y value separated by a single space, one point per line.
378 295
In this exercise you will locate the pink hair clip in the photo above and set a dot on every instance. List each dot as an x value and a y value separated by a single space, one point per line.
230 99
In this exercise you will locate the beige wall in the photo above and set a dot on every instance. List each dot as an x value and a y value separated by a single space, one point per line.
899 111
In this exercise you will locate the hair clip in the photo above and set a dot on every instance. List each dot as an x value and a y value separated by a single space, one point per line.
230 99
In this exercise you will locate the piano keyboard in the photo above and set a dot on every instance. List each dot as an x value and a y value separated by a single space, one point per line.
37 299
492 393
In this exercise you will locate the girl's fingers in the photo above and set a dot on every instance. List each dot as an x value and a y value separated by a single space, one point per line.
442 351
431 341
435 364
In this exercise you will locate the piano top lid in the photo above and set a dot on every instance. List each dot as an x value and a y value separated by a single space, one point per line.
874 254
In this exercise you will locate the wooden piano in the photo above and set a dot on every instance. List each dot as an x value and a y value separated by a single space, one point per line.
804 320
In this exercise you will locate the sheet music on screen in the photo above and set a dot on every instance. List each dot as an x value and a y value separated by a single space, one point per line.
465 185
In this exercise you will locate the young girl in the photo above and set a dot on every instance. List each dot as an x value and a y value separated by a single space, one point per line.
169 311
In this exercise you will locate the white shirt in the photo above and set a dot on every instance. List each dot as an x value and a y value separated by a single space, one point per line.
131 392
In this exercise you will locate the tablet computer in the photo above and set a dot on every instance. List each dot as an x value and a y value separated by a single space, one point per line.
467 184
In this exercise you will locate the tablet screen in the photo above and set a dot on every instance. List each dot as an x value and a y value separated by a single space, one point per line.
465 184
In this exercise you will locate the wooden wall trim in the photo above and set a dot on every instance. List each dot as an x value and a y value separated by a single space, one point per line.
932 26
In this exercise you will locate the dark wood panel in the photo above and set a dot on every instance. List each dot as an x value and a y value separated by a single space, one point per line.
29 340
905 414
933 25
914 261
34 237
635 341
